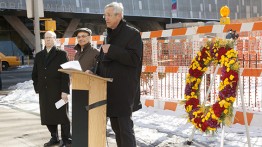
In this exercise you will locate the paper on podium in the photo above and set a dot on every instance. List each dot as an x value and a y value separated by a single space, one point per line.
60 103
75 65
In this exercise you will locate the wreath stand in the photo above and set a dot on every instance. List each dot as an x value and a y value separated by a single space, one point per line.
189 142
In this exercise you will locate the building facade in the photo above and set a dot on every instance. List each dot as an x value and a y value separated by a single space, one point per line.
146 15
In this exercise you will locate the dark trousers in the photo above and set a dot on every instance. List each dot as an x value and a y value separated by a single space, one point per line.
65 132
124 131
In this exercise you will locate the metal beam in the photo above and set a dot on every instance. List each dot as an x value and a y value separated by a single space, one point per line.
71 28
21 29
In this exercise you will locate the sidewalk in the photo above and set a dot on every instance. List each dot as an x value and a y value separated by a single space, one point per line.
21 129
24 129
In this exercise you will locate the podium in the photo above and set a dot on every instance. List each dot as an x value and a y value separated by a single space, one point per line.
88 109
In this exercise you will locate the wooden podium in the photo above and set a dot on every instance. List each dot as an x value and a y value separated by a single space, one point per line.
88 109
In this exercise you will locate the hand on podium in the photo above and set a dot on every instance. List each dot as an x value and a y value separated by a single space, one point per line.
89 72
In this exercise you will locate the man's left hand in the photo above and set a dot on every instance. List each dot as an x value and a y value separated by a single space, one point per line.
105 48
64 97
89 72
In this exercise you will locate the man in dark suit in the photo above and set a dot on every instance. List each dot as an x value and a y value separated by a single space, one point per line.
52 86
121 59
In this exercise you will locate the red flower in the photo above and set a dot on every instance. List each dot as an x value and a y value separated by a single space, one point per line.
194 102
228 91
226 74
221 51
217 109
204 126
197 120
203 53
195 73
189 89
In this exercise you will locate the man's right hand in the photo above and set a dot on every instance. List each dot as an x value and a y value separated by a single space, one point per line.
105 48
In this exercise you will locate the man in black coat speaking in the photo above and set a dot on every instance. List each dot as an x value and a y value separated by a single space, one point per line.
52 86
121 59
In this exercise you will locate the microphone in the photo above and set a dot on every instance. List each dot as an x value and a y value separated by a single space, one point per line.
105 36
105 42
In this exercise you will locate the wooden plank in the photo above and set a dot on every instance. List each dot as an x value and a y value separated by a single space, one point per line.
97 116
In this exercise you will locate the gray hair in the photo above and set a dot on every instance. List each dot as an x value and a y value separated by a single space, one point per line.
52 33
118 8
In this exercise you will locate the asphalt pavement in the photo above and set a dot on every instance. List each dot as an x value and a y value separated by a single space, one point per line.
15 75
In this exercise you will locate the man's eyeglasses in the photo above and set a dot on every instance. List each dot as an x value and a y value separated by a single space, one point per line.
109 15
49 37
81 36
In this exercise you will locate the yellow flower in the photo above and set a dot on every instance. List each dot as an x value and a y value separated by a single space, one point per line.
193 79
214 117
225 111
231 77
226 104
211 129
189 108
221 103
187 97
221 86
198 80
204 69
226 82
195 114
203 120
231 61
187 81
232 99
199 53
208 114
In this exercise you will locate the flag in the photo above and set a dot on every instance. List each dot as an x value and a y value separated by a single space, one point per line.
174 4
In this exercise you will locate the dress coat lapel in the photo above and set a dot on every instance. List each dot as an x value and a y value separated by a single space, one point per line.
50 56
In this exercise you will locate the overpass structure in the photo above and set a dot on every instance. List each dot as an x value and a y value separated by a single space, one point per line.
146 15
194 9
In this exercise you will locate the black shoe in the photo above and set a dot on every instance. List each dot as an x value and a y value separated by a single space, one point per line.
66 143
52 142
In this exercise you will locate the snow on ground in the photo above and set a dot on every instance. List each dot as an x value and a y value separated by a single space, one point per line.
153 127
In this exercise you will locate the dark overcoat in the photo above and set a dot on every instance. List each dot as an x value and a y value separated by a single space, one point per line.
50 83
123 63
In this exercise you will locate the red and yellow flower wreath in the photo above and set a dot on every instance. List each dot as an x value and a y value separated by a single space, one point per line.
204 118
